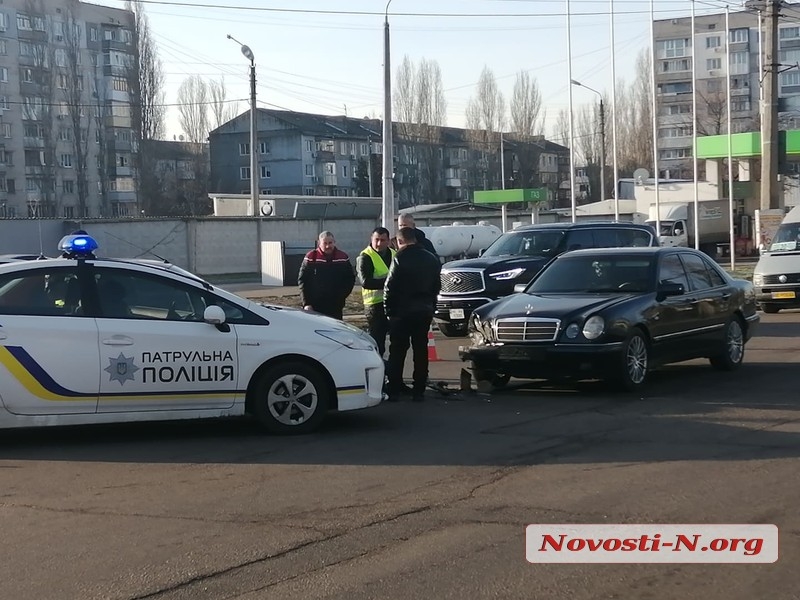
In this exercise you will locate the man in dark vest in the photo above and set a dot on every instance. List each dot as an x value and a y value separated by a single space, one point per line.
372 267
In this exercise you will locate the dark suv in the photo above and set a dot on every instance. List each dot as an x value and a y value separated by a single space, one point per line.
515 257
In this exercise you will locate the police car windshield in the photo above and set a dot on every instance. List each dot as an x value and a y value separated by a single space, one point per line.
526 243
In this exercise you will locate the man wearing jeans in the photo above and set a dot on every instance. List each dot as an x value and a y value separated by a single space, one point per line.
409 300
372 267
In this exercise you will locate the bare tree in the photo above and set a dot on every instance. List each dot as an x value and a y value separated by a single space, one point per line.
485 119
421 109
526 105
71 82
222 109
193 109
146 88
561 128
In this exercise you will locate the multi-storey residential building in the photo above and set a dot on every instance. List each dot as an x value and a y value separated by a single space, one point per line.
308 154
66 133
674 80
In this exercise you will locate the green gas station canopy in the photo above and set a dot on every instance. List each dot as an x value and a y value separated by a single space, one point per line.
743 145
508 196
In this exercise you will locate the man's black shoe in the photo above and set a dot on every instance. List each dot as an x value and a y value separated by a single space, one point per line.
406 390
418 397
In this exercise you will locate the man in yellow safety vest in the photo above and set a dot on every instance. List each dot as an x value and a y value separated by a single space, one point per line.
372 267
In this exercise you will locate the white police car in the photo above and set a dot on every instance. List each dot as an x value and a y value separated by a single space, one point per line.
95 340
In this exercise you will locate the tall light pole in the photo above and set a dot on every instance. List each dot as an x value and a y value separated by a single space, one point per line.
614 115
602 139
387 216
573 200
254 174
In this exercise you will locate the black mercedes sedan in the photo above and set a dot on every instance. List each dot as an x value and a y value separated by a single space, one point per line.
614 314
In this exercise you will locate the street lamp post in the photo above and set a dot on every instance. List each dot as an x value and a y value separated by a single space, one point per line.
388 160
254 175
602 139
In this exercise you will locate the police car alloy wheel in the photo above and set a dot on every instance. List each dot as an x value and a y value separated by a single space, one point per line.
291 398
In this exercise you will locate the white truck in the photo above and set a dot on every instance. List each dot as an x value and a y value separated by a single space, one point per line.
677 224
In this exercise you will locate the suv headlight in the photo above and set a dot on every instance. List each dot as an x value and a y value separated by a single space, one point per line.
758 279
349 339
505 275
593 328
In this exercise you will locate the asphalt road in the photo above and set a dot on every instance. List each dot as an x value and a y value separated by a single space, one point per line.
414 500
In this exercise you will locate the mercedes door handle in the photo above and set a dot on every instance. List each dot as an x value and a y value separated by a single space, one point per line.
726 296
118 340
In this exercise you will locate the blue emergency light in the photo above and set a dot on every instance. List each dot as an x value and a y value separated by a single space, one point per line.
78 246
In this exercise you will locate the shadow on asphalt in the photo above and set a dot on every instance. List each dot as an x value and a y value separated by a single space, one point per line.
688 412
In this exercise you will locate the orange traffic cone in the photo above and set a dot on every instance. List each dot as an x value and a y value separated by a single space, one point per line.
432 356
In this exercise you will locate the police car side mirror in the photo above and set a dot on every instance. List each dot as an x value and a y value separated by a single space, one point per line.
214 315
520 288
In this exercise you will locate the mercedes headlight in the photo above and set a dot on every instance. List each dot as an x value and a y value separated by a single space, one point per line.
758 279
573 330
352 340
593 328
505 275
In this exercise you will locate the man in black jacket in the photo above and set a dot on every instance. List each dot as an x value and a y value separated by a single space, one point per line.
409 299
406 220
372 268
326 278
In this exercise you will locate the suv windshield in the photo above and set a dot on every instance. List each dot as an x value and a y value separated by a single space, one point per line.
787 238
527 243
593 274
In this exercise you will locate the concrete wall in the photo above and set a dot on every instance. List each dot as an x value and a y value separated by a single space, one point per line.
214 246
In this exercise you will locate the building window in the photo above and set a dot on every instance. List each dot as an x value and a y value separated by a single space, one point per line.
265 172
69 186
5 129
309 191
364 149
343 148
92 34
676 109
713 63
674 48
4 74
344 170
65 160
739 35
713 41
244 150
309 170
675 132
675 153
680 87
3 49
263 147
267 192
120 84
24 22
3 22
69 212
244 172
740 106
309 146
670 66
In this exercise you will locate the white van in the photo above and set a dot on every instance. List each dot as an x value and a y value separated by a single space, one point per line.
777 274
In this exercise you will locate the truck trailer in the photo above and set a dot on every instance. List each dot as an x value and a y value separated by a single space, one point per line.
677 224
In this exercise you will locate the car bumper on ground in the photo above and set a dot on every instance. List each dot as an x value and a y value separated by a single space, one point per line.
543 361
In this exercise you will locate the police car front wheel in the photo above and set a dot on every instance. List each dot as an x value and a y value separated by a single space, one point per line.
291 398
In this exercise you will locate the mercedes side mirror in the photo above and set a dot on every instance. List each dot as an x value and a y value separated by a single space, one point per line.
481 251
665 290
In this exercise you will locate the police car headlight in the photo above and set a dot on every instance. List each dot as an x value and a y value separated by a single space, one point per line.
758 279
349 339
593 328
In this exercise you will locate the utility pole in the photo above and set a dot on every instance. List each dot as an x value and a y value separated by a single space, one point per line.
254 174
602 151
369 166
770 191
387 213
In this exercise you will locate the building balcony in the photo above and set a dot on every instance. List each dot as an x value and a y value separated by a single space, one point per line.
123 171
115 45
115 71
33 142
34 171
453 182
330 180
122 196
740 92
674 142
324 156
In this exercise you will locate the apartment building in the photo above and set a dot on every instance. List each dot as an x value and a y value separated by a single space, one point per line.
67 142
318 155
674 80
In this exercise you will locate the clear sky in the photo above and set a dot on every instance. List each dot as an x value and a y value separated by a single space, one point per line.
322 55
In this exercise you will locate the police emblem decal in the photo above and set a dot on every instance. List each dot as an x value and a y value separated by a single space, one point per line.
121 369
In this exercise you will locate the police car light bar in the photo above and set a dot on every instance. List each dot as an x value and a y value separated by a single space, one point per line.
78 245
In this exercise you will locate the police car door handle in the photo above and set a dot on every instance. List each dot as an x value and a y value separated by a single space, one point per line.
3 335
118 340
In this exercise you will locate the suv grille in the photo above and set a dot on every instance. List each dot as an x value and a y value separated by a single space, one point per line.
526 329
790 278
462 282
